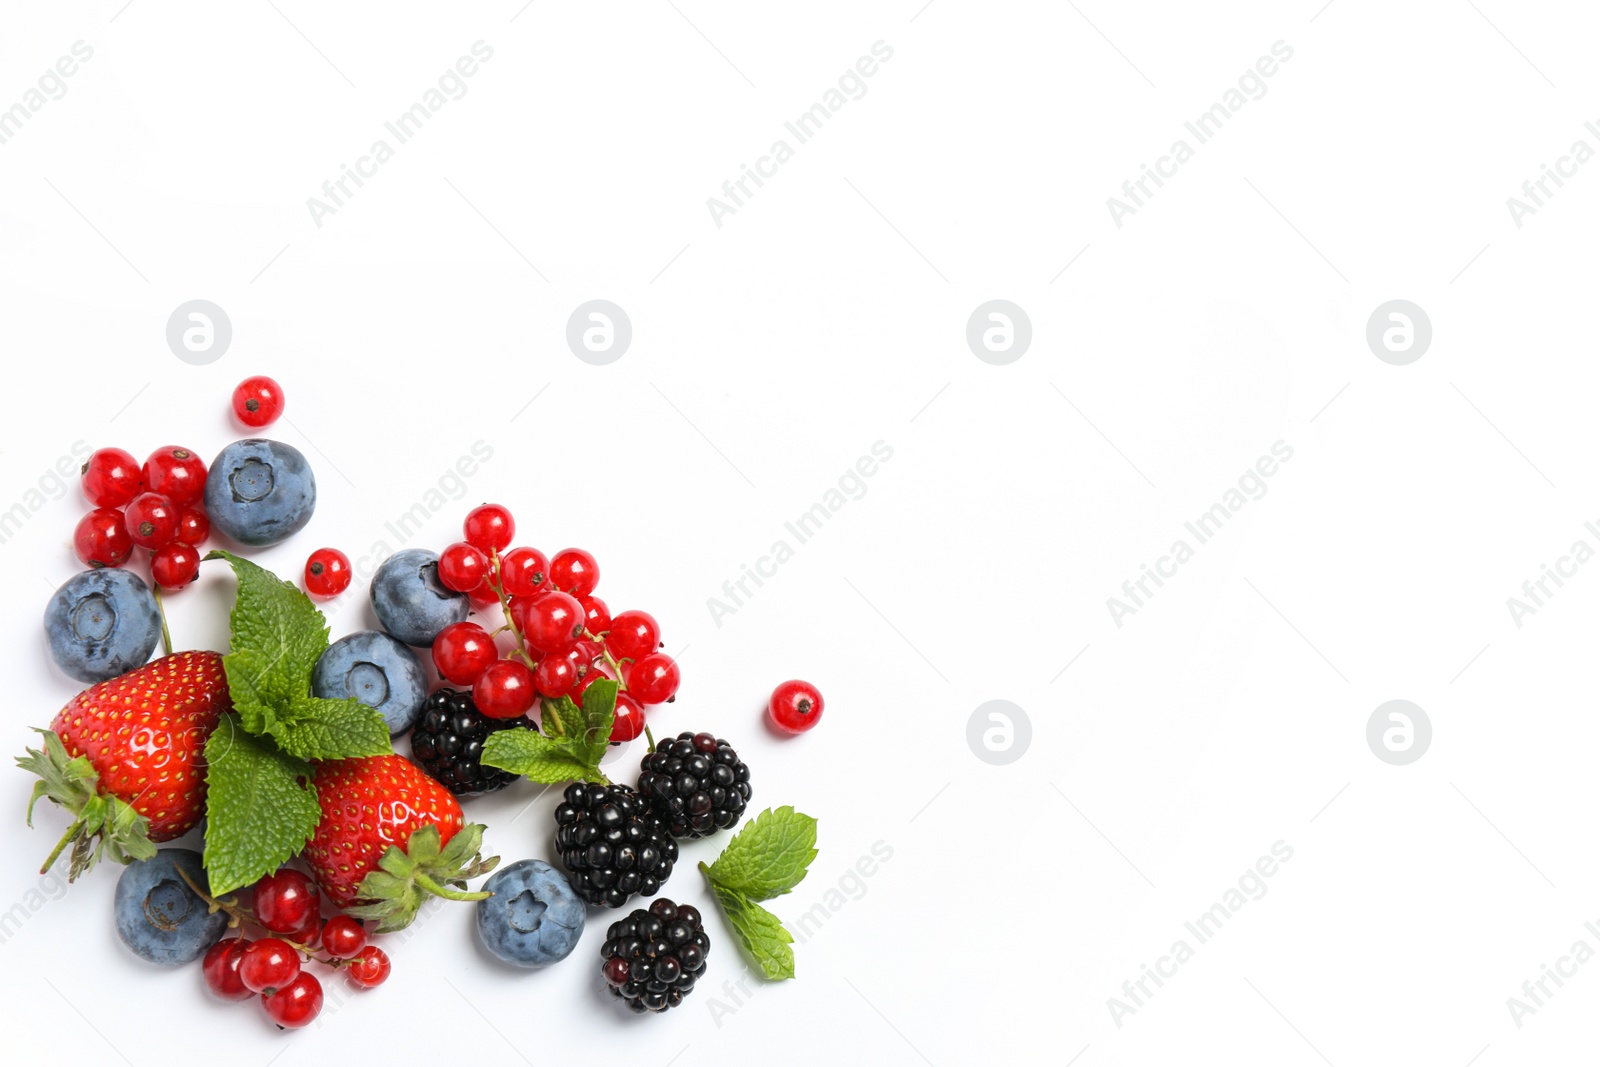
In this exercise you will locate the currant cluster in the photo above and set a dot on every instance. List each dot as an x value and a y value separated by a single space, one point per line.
565 637
288 907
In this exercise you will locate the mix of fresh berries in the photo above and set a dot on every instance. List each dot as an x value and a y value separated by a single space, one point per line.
696 784
447 742
653 958
612 845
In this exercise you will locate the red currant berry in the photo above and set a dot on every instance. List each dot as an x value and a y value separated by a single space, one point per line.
596 616
110 478
653 678
633 634
463 567
175 565
629 720
586 679
101 539
552 622
585 654
463 651
296 1004
176 473
257 401
555 676
483 596
370 968
574 571
523 570
490 527
505 690
194 527
221 969
344 937
152 520
268 964
795 706
309 934
285 901
327 572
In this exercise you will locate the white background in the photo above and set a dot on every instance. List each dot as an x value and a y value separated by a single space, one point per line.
769 354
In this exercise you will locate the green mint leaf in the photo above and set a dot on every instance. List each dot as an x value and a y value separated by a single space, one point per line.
260 807
760 934
318 729
599 711
560 717
769 856
550 760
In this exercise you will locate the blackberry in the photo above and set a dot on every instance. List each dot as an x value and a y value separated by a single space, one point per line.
653 958
612 844
696 784
447 743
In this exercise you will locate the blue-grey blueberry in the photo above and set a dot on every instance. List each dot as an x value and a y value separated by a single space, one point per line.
259 492
158 916
377 670
102 623
411 602
531 918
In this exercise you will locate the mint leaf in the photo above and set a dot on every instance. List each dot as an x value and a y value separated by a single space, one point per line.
769 856
760 934
599 711
550 760
260 808
316 729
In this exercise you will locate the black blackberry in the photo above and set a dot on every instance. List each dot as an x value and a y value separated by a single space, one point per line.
695 783
612 844
653 958
447 743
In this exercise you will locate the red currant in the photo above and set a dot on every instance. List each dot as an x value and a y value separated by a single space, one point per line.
505 690
555 676
596 616
194 527
653 678
552 622
309 934
175 565
463 651
101 539
370 968
344 937
629 721
258 401
489 527
152 520
585 654
176 473
268 964
483 596
111 478
633 634
327 572
795 706
221 969
574 571
296 1004
522 571
285 901
463 567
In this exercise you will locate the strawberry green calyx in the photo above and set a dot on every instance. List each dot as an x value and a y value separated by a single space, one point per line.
102 825
407 877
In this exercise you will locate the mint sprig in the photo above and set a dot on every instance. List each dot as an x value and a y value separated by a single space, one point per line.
260 809
766 859
570 746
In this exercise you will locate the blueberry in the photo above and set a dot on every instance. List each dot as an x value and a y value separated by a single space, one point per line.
102 623
158 916
377 670
410 601
533 918
258 492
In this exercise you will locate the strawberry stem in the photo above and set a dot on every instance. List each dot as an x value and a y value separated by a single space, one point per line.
424 882
61 846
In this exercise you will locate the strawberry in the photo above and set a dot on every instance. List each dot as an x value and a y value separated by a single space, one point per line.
390 835
126 758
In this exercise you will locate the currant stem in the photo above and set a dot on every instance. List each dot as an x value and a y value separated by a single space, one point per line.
499 588
243 915
161 610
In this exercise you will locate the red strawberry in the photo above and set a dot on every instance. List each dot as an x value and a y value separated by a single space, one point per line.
127 758
389 835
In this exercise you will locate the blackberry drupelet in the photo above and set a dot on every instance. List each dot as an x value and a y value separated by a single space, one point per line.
696 784
612 845
447 743
653 958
